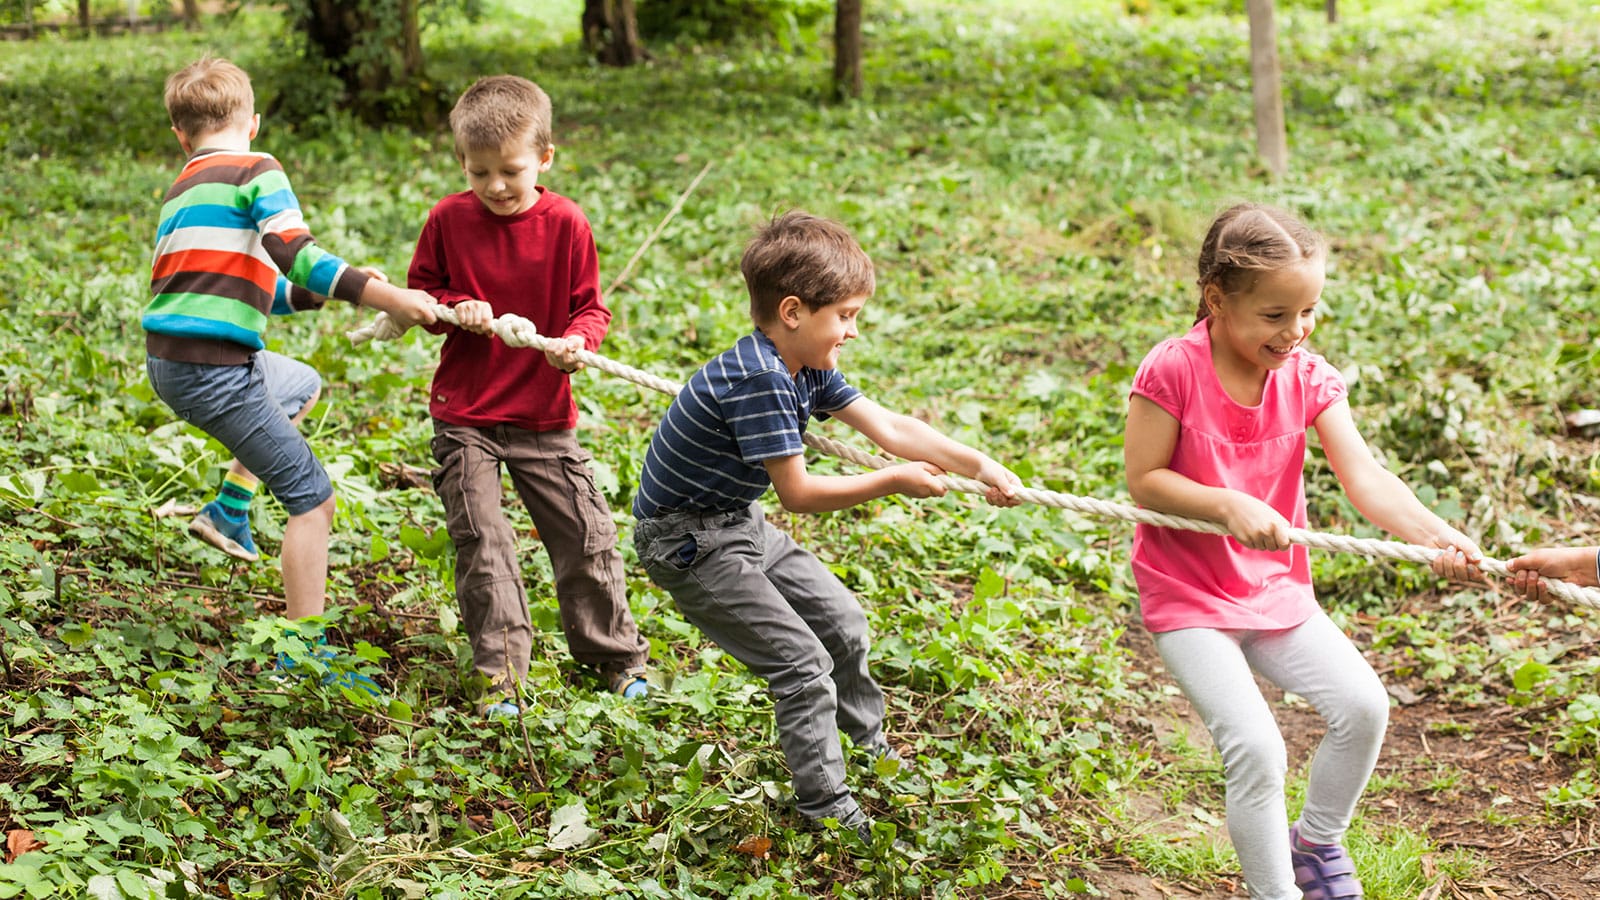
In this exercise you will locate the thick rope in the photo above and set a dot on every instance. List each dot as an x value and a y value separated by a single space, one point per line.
516 331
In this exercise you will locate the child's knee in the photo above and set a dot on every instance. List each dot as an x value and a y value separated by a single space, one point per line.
806 669
324 511
1258 757
1363 712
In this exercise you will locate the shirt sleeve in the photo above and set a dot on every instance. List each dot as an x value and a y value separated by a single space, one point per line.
1324 386
274 208
832 395
588 316
763 415
289 298
430 270
1161 380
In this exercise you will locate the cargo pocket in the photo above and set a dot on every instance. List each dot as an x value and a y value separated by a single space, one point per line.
450 483
599 531
676 550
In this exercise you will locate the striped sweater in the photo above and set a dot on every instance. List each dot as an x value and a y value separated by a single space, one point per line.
232 249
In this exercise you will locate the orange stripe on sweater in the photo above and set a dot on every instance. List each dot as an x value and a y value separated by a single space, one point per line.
222 262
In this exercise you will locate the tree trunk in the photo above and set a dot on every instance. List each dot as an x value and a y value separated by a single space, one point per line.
1267 87
1333 11
384 83
847 80
611 32
191 14
83 14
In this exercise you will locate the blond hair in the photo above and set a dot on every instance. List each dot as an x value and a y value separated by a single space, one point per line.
500 109
208 95
801 255
1247 240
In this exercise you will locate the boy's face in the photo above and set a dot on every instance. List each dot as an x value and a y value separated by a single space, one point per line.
821 335
505 179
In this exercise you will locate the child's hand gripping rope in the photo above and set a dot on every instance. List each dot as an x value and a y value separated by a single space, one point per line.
516 331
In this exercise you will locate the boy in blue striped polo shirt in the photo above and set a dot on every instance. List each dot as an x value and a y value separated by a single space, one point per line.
736 429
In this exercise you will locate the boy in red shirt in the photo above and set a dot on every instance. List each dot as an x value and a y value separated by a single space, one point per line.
507 245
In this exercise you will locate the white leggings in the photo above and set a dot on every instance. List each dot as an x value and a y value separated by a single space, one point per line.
1316 661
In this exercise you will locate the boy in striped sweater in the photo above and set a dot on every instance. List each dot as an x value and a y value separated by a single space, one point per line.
231 250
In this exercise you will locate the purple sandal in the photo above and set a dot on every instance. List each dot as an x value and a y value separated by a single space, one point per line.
1323 873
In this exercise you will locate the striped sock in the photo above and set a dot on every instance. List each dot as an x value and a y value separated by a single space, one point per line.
235 496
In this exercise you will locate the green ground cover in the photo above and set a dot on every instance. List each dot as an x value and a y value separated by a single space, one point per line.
1031 182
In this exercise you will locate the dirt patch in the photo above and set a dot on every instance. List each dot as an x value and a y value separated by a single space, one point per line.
1464 775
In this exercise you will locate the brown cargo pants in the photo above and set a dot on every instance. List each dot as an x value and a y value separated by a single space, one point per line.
551 475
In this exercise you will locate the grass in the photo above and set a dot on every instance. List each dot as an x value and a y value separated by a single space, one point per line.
1031 181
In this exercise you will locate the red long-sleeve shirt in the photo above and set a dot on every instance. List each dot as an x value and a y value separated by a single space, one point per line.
541 265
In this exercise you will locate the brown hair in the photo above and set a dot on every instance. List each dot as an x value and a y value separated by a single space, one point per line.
1248 239
207 95
801 255
500 109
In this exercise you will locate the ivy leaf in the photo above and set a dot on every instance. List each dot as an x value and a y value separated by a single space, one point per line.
569 827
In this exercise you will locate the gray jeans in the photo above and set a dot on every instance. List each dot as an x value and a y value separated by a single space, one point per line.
776 608
1316 661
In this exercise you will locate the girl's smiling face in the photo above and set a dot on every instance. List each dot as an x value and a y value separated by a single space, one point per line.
1264 325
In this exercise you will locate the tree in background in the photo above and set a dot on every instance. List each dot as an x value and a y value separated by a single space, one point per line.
611 32
374 49
847 77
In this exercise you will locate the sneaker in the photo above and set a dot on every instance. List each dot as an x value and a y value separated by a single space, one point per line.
630 683
1323 872
335 677
504 708
231 536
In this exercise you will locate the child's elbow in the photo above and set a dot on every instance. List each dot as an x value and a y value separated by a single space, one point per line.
795 504
1136 489
796 499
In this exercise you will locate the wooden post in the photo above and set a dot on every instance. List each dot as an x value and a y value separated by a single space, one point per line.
847 80
1267 88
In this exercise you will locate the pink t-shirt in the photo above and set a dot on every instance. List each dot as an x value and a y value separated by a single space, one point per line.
1191 580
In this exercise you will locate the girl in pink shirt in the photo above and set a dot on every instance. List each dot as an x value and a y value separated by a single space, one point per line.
1217 430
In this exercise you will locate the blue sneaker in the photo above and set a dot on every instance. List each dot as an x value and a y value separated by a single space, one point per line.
336 677
504 708
630 683
231 536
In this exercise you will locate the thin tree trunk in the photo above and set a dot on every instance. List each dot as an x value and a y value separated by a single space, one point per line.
847 79
1333 11
611 32
83 14
1267 88
191 14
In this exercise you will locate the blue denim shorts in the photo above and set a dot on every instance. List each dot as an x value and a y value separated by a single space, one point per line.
247 408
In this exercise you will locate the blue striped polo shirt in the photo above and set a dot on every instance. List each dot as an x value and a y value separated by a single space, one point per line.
738 410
